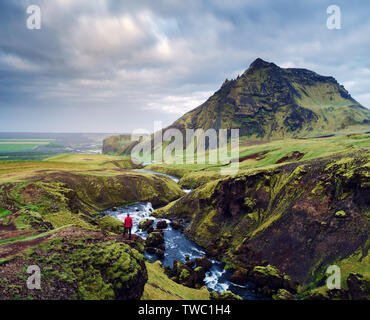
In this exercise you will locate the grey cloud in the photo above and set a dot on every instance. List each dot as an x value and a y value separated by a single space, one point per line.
118 65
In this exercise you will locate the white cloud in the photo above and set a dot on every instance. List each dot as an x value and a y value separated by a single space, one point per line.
18 63
179 104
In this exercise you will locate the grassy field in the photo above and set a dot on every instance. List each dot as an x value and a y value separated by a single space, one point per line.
267 155
251 157
16 145
11 171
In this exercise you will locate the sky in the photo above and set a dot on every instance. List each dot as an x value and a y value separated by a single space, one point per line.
118 66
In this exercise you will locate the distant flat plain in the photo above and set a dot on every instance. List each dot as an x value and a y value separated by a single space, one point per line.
12 145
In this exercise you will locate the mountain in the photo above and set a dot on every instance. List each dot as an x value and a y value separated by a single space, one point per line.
116 144
269 102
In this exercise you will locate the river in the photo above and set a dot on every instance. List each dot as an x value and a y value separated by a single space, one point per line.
178 247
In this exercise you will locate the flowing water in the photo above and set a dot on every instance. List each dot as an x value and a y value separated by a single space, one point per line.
178 247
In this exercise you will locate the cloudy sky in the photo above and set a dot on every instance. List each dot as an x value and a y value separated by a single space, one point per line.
117 65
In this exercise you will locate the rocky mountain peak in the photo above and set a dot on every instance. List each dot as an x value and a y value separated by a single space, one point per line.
261 64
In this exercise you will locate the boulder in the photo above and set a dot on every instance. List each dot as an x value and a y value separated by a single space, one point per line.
197 277
190 263
145 224
154 239
283 294
177 225
204 262
358 286
239 276
181 273
289 284
151 250
160 253
267 276
161 224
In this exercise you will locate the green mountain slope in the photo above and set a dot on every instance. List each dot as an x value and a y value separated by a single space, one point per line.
268 102
271 102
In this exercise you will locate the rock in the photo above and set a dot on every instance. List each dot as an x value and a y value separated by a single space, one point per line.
159 230
283 294
338 294
239 276
289 284
212 251
114 209
358 287
154 239
145 224
265 290
190 263
160 253
227 295
161 224
150 230
184 275
267 276
204 262
177 225
198 276
151 250
162 247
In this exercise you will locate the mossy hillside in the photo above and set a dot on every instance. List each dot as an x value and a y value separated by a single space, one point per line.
268 155
84 269
92 164
281 215
116 144
110 224
57 199
160 287
102 192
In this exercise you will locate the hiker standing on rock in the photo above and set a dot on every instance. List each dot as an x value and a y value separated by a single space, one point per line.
128 225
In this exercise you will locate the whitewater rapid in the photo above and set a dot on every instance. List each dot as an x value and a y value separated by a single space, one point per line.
178 247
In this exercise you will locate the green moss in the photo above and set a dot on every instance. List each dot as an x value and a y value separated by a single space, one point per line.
184 275
110 224
160 287
99 270
4 213
249 202
340 214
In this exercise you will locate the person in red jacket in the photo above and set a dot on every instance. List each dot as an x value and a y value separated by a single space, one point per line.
128 225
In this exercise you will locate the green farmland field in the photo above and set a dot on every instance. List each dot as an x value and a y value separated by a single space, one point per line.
16 145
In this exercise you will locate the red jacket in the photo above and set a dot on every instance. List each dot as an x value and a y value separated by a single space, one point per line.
128 222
